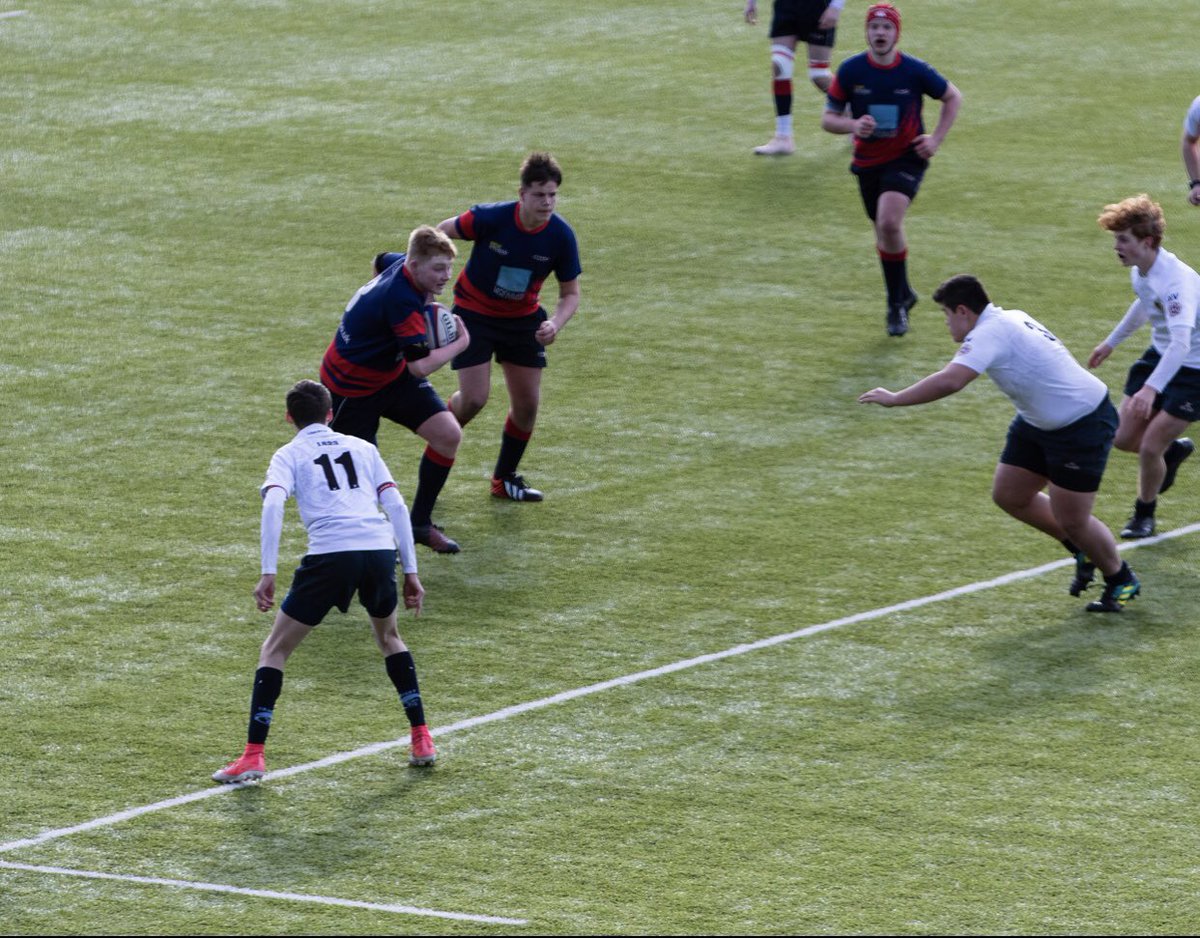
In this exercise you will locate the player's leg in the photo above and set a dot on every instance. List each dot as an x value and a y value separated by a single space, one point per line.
414 404
1159 434
524 384
1019 492
286 634
443 435
378 594
1022 474
892 247
1073 512
1130 429
1076 456
783 67
474 386
819 58
402 672
474 366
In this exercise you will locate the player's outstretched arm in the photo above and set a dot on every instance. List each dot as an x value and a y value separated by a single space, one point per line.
950 380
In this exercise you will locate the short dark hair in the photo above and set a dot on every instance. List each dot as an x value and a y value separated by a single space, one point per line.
540 167
308 402
962 290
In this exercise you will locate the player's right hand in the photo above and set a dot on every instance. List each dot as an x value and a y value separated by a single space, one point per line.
751 13
1099 354
881 396
414 593
264 593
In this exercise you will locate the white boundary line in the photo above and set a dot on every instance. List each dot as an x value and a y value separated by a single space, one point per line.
11 13
264 893
578 692
512 711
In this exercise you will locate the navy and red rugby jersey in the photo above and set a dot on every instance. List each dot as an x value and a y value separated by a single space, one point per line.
508 262
892 94
382 320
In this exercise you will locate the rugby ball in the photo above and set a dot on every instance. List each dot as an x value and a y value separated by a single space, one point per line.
440 329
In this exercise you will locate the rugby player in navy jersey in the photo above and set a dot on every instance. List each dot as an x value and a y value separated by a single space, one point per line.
516 246
379 362
876 96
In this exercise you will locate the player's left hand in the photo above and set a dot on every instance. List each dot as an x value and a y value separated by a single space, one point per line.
829 19
414 593
546 332
1141 405
751 13
881 396
925 146
264 592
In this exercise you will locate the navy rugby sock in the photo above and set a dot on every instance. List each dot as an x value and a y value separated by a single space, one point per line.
895 275
268 682
431 477
512 447
403 672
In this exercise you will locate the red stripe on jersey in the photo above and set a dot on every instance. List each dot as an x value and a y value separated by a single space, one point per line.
876 152
466 225
383 488
346 378
468 296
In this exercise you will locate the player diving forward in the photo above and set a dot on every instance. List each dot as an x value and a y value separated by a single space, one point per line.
1060 437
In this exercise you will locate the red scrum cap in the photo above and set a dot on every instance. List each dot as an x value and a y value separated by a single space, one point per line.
884 11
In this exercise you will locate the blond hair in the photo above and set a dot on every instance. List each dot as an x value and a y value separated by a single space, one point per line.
426 242
1138 214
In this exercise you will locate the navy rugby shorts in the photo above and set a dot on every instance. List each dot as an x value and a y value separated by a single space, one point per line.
509 340
1072 457
799 18
323 581
1180 398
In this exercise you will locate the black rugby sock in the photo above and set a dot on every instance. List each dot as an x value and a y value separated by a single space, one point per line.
268 682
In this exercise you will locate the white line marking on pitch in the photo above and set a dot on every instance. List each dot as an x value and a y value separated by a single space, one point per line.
4 16
264 893
563 697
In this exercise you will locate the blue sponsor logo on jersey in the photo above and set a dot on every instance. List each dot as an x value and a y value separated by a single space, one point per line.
512 282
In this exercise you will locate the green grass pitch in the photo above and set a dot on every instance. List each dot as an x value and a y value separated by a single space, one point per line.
193 190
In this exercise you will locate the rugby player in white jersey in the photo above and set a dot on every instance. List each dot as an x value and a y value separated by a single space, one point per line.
1058 441
1189 146
1162 390
339 482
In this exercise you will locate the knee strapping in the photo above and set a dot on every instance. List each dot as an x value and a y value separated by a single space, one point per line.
783 62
